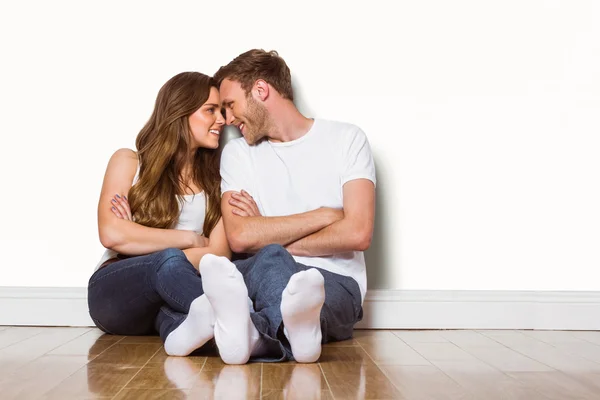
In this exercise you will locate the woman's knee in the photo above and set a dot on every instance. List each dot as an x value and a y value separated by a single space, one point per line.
170 254
171 260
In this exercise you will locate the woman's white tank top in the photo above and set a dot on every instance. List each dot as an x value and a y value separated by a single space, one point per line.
191 217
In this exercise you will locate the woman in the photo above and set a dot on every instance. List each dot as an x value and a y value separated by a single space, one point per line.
158 215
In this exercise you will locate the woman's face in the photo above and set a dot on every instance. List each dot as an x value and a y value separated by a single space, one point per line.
206 124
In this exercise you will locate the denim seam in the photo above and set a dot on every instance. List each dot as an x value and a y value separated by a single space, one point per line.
162 287
170 313
93 282
171 297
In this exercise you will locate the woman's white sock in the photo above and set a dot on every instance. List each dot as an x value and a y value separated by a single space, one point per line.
194 331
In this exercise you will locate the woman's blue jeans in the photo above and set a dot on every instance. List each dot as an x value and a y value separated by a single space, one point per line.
145 294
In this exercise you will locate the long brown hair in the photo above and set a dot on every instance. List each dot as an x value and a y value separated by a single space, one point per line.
163 150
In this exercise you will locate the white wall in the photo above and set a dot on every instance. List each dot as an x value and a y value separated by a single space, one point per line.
484 118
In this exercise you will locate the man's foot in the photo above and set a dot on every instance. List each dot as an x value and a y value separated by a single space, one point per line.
194 331
301 303
225 288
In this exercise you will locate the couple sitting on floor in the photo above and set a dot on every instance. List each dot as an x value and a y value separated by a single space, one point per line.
294 194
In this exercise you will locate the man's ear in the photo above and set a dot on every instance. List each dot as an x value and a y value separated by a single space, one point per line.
261 90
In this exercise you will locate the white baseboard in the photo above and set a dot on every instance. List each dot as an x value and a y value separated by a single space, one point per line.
44 306
465 309
383 309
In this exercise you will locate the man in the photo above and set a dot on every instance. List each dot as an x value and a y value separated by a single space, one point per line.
300 194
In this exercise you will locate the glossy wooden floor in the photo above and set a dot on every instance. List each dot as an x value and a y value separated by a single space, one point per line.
82 363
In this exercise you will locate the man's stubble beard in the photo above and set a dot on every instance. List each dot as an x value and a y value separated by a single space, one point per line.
260 122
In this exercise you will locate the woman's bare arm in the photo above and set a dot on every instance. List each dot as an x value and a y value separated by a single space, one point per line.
217 245
122 235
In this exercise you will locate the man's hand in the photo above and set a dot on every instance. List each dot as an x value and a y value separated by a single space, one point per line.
248 231
294 248
244 205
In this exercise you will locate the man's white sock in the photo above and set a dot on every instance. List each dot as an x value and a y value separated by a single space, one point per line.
301 303
225 288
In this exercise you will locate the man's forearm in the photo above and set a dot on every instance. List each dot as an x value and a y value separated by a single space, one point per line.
340 237
352 233
254 233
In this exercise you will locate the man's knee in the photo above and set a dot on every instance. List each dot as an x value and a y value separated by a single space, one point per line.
272 263
276 254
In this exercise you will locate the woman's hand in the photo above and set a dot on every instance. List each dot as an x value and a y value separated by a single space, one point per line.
244 205
120 207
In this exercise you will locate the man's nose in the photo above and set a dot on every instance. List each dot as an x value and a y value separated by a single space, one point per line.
229 117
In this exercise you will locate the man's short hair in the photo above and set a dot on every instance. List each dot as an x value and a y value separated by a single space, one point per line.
257 64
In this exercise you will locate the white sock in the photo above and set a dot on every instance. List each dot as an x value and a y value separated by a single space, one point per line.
235 334
301 303
258 345
194 331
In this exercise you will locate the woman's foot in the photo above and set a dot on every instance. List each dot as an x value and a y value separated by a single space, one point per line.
194 331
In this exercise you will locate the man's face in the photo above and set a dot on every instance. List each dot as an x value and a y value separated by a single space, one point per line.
243 111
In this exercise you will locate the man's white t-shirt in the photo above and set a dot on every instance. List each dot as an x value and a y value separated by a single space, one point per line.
303 175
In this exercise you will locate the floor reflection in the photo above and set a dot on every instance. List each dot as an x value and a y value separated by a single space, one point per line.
305 383
202 376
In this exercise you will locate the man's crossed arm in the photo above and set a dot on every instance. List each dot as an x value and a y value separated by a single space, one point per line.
320 232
